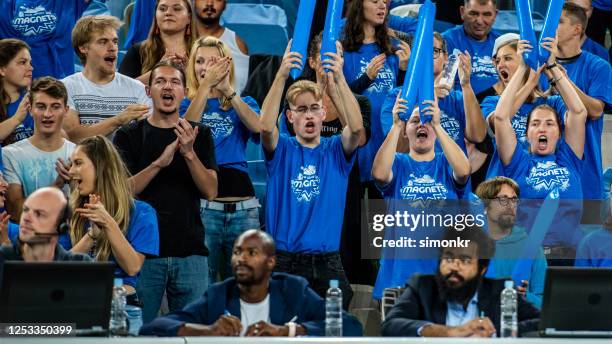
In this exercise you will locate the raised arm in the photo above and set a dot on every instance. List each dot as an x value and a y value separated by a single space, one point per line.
504 133
453 153
214 70
475 125
270 106
342 97
247 116
382 167
576 116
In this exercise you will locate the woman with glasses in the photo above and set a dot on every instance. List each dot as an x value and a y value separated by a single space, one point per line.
419 176
500 196
372 65
107 222
551 164
234 120
171 36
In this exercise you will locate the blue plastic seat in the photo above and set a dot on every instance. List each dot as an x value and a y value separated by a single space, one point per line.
262 26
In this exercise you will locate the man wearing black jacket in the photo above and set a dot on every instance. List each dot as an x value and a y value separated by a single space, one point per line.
458 301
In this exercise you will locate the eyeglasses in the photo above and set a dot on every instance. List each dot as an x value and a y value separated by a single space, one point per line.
437 52
506 201
463 260
302 110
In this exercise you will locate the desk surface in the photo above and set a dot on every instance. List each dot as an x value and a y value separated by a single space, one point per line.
305 340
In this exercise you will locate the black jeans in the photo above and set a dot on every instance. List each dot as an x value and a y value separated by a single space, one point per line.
317 269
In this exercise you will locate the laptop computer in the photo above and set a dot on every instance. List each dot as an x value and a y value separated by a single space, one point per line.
577 303
58 292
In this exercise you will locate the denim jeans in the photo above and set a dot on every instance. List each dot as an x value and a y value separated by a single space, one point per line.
134 318
222 229
318 269
183 279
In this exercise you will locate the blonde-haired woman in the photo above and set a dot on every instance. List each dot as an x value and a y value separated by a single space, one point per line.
233 120
108 223
172 34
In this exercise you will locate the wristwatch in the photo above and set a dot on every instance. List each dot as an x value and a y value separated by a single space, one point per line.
292 328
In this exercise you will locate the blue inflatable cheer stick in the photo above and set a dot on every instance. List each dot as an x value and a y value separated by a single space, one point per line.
523 11
553 15
331 31
426 89
301 33
412 80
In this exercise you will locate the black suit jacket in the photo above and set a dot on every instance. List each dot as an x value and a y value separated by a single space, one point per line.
421 304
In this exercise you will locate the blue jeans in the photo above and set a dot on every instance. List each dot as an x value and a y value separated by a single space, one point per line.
222 229
183 279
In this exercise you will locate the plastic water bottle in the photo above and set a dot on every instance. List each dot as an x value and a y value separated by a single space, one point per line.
118 319
509 322
333 310
450 70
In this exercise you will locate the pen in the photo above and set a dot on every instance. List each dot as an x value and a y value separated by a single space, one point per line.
226 312
293 319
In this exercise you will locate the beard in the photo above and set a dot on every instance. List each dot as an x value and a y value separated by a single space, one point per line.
506 221
460 292
207 20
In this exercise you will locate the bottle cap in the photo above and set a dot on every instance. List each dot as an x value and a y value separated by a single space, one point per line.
118 282
333 283
509 284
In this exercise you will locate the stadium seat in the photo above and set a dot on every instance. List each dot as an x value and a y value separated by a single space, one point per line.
258 174
262 26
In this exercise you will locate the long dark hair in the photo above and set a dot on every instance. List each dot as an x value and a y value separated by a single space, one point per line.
353 36
152 49
9 48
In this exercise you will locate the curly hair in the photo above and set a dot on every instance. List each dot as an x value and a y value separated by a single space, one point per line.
354 35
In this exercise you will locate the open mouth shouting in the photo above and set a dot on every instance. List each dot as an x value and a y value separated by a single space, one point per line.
167 98
542 142
503 73
110 60
422 134
310 127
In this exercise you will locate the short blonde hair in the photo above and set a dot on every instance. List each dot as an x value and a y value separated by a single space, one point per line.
83 29
303 86
192 78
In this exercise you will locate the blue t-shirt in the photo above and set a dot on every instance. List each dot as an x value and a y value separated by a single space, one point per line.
593 76
306 194
452 116
484 74
556 176
229 133
355 64
23 130
422 180
413 180
46 25
142 234
595 250
519 124
595 48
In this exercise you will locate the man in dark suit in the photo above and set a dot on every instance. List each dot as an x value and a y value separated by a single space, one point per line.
458 301
255 302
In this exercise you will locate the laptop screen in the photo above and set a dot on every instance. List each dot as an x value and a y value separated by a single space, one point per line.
577 299
57 292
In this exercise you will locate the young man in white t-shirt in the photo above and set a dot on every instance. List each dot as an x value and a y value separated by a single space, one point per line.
100 99
39 161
